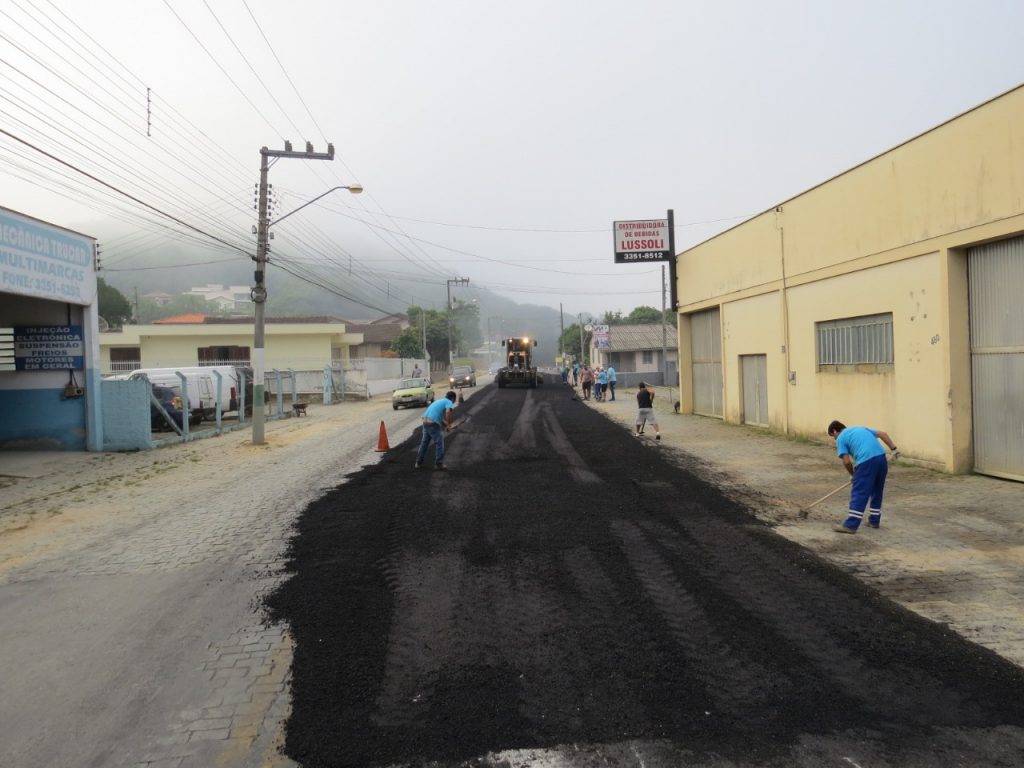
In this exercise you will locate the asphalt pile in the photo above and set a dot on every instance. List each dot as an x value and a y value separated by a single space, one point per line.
564 583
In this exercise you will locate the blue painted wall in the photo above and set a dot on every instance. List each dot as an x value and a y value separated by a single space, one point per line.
126 415
41 420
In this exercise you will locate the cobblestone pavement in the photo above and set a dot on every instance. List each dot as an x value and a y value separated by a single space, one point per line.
951 547
131 590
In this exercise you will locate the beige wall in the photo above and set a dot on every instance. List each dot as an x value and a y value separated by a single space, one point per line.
299 346
908 402
746 332
887 236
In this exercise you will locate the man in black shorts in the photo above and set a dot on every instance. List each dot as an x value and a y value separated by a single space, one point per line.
645 411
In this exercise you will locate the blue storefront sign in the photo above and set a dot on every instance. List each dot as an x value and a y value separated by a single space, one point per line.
48 348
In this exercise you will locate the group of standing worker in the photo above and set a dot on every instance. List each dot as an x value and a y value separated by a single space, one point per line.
601 381
857 447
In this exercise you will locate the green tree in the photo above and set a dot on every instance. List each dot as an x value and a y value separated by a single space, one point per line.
437 330
408 343
466 334
644 315
570 342
178 305
114 306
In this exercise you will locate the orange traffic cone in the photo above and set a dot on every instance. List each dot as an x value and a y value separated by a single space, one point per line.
382 440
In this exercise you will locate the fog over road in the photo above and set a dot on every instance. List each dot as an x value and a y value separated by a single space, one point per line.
565 595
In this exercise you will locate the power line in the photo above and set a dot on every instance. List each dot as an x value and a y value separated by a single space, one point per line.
122 192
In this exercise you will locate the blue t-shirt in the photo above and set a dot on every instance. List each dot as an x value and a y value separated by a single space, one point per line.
611 374
859 442
435 411
602 377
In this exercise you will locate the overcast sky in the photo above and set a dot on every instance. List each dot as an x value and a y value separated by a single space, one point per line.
496 140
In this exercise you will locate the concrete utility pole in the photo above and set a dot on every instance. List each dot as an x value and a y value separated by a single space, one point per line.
259 292
580 316
561 326
454 281
423 328
664 351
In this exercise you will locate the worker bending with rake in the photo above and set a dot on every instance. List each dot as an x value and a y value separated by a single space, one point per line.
437 420
866 462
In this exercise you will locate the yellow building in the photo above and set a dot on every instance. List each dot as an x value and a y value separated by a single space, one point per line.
888 296
290 343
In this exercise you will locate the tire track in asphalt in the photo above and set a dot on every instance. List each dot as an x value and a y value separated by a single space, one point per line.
736 685
578 468
795 614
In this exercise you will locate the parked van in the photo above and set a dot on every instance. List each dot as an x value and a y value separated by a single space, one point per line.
201 387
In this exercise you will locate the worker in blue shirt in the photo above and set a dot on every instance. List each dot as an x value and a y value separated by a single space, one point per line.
865 460
437 420
612 378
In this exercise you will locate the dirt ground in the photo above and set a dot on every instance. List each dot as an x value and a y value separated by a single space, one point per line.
566 584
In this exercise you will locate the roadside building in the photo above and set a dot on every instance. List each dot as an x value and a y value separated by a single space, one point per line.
159 298
377 338
643 349
887 296
229 298
298 343
50 396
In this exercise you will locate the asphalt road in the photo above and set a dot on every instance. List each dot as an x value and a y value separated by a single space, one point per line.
564 596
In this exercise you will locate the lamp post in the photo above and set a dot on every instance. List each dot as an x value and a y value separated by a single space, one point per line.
259 291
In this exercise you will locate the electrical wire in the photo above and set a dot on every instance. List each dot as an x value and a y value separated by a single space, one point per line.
122 192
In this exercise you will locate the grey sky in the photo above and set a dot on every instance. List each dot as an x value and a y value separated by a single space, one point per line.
496 140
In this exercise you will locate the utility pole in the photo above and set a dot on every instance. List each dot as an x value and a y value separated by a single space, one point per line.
664 352
259 292
423 328
561 324
454 281
581 338
490 343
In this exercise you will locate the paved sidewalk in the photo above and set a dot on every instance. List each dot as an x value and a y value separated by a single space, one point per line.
951 547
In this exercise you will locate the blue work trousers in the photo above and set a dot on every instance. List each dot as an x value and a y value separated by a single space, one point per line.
432 431
868 487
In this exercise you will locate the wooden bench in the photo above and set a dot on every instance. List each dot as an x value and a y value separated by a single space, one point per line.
299 409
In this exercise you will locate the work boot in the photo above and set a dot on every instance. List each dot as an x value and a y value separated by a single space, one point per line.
844 529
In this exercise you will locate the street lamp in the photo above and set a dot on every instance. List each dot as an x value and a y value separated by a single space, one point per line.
355 189
259 292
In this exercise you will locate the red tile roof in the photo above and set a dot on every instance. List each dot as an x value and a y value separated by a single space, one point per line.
194 318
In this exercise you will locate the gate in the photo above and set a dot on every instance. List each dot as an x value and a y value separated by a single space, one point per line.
996 274
706 351
754 378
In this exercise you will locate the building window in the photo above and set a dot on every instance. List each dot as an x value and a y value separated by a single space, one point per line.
125 359
855 344
227 355
647 357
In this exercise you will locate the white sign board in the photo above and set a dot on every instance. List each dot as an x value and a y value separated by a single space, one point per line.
643 240
37 259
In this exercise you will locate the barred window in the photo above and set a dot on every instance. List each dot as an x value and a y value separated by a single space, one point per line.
863 340
648 357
